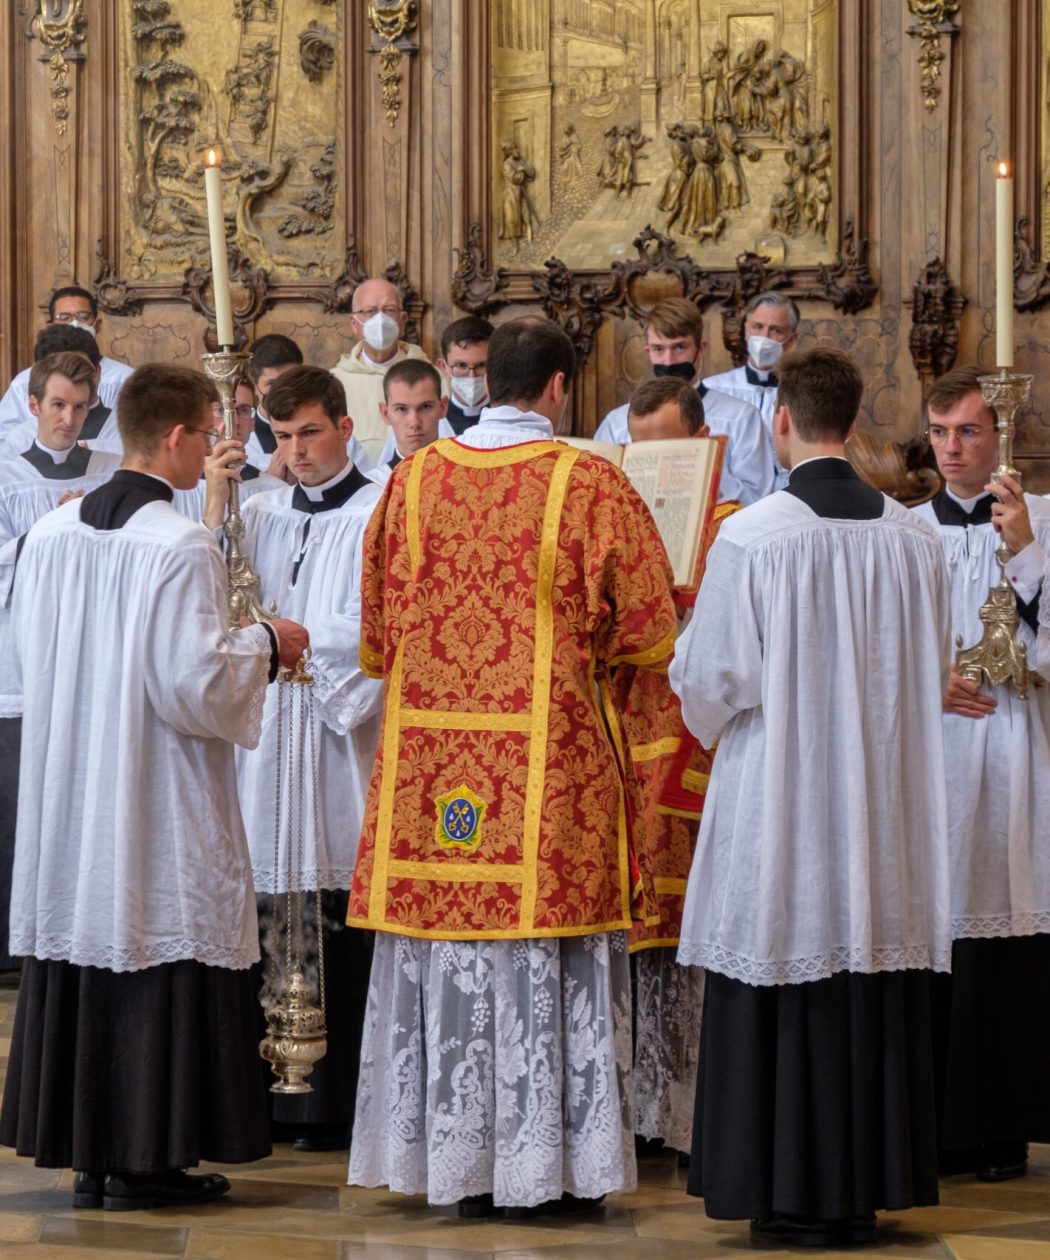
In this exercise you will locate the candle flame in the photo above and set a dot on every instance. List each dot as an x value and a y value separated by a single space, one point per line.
1002 170
212 158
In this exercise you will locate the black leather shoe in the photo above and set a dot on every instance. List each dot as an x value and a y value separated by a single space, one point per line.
321 1142
87 1189
795 1231
476 1206
1003 1161
129 1192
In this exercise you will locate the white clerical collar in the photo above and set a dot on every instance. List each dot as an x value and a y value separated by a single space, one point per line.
762 376
381 367
811 458
468 411
967 505
504 416
316 493
57 457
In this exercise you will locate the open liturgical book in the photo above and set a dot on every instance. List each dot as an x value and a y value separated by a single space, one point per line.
678 479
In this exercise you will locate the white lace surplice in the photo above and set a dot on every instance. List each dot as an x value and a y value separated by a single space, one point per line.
130 849
310 564
817 656
496 1066
999 765
669 1000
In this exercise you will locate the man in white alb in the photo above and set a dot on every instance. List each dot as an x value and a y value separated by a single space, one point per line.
134 1051
818 899
770 329
993 1012
674 340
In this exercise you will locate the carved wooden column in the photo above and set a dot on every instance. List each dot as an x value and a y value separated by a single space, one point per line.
650 84
14 261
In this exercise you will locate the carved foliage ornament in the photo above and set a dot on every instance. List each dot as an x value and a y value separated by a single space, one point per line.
255 285
391 20
934 20
60 26
579 300
936 306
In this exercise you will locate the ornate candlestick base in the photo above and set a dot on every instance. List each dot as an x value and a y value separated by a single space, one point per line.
225 369
1000 656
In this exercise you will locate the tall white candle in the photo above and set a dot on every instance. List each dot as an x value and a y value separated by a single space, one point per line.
1004 267
220 267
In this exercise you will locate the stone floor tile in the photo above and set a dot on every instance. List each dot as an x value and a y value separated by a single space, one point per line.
232 1245
970 1247
105 1233
19 1227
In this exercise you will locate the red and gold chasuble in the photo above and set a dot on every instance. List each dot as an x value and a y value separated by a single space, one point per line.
501 591
671 772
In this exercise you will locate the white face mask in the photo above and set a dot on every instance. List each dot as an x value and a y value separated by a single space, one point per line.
380 331
471 391
763 352
74 323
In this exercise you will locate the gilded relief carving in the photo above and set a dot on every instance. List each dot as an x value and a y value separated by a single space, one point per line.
713 123
934 20
260 86
392 21
60 26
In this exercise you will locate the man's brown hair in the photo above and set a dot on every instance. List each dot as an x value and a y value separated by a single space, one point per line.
300 386
68 363
411 372
676 317
661 390
822 389
953 387
157 397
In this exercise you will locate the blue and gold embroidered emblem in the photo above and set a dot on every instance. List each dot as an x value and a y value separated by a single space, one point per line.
459 816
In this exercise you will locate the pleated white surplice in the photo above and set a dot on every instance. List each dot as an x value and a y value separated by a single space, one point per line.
310 566
497 1067
999 765
817 656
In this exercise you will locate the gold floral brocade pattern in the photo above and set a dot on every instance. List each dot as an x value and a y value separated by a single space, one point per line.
500 587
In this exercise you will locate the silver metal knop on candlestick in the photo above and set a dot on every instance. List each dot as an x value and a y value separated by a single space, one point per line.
1000 656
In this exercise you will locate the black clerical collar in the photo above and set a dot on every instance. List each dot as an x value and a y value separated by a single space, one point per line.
753 378
830 487
331 497
394 459
112 505
459 420
96 418
949 511
74 465
265 434
701 388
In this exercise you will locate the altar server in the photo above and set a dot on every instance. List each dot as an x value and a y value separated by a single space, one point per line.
770 330
304 541
675 343
818 899
251 478
134 1052
506 577
994 1010
52 469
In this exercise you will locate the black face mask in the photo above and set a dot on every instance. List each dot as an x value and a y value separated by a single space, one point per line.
684 371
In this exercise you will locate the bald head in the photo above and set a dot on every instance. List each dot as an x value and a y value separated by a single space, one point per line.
377 318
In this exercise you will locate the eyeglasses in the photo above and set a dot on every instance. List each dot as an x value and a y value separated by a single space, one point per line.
67 317
210 434
460 370
368 311
967 434
244 412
